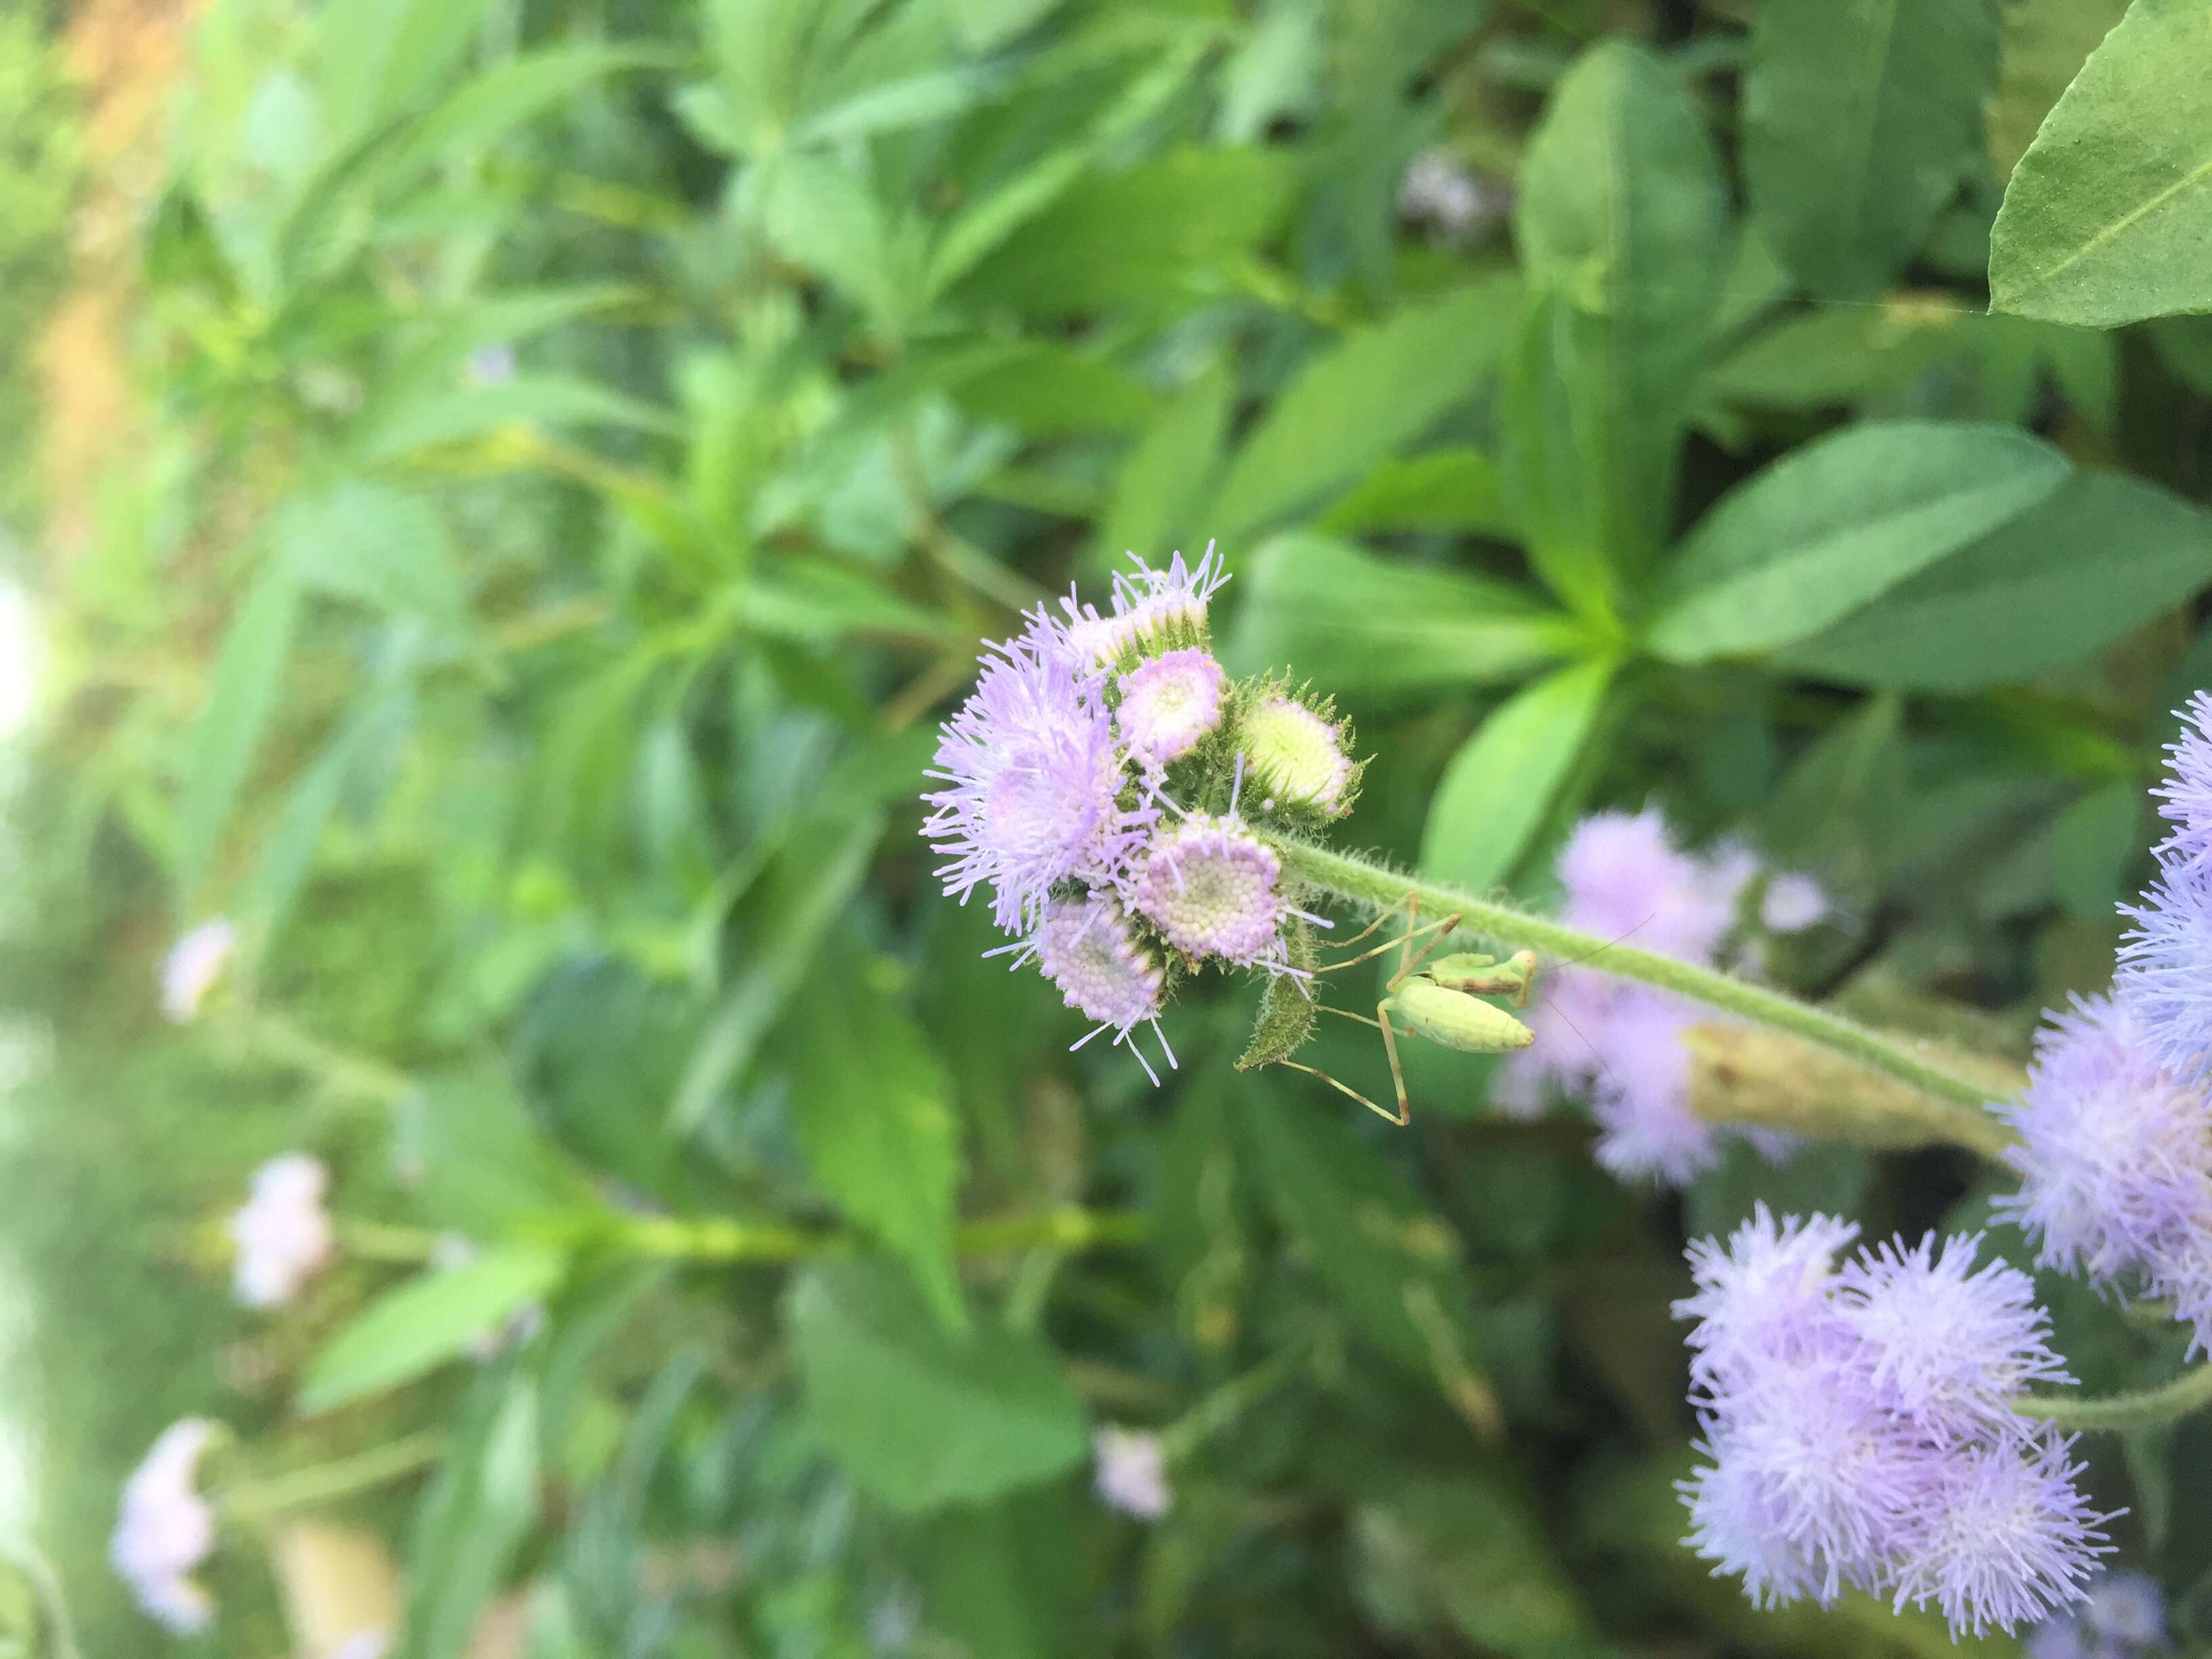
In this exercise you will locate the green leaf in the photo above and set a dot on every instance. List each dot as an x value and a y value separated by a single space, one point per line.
822 213
999 1581
1369 395
415 1326
1116 238
2043 45
480 1166
288 850
380 56
1167 471
1456 489
1831 526
455 415
1315 606
922 1416
2094 842
1044 389
1496 792
2101 555
474 1516
1859 116
377 546
249 671
488 106
1621 220
2107 218
1464 1554
873 1106
820 602
1835 356
984 24
1392 1264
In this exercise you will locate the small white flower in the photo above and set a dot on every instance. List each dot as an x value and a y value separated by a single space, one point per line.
491 365
284 1234
1792 903
193 965
1133 1472
363 1645
165 1530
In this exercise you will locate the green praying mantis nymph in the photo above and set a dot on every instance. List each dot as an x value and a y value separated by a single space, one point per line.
1441 1000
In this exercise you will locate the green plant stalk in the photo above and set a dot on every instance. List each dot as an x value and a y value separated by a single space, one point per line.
323 1483
2142 1408
1377 888
1069 1228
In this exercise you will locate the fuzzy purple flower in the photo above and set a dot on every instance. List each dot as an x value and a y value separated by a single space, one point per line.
2186 797
1792 903
2115 1156
2166 969
1859 1432
1089 950
1153 611
1168 704
1624 878
1037 788
2124 1618
1210 886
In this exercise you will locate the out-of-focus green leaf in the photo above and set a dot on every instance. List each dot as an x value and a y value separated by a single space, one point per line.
999 1579
453 415
432 1318
1462 1554
474 1516
1376 391
1168 470
1494 795
1831 527
2099 555
1859 118
874 1110
2107 216
1835 356
375 545
984 24
241 702
1313 605
1456 489
380 56
822 213
2043 45
1046 391
818 601
2094 843
919 1417
1392 1264
1621 220
288 850
1119 239
488 107
480 1166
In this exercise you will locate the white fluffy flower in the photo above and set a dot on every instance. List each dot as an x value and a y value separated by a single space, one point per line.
283 1233
363 1645
165 1530
1133 1472
193 965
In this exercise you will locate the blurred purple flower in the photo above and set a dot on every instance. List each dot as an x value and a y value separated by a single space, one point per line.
194 965
1132 1473
2185 797
1792 903
282 1234
2124 1618
2166 969
2115 1156
165 1530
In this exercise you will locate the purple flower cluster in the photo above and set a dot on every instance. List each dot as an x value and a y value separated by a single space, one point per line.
2124 1618
1619 1041
2115 1156
1858 1429
2166 963
1095 784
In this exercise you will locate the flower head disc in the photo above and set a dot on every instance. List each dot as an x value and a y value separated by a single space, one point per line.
1209 885
1168 704
1297 758
1088 949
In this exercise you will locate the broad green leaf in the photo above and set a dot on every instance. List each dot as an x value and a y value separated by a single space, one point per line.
377 546
432 1318
873 1106
822 214
1831 527
474 1516
486 107
2102 555
1044 389
1622 223
460 413
1392 1264
1315 607
1116 238
1167 471
241 700
919 1416
1367 397
1495 793
2107 216
380 56
999 1580
1463 1553
2043 45
1841 355
479 1165
1859 120
819 601
1454 489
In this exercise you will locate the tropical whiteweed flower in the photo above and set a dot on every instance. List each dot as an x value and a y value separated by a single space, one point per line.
1792 903
283 1233
1853 1442
1438 191
1168 703
2124 1618
2165 968
1095 784
194 965
2185 796
165 1530
1619 1042
1132 1473
2115 1156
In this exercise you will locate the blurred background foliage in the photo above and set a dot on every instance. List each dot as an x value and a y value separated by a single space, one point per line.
521 479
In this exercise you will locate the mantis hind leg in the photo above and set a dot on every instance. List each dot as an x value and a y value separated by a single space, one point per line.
1412 903
1397 1073
1343 1088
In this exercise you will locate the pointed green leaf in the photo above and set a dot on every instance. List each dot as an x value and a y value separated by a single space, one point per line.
249 672
432 1318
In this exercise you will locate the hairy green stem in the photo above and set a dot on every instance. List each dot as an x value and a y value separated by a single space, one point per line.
2142 1409
322 1483
1377 888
